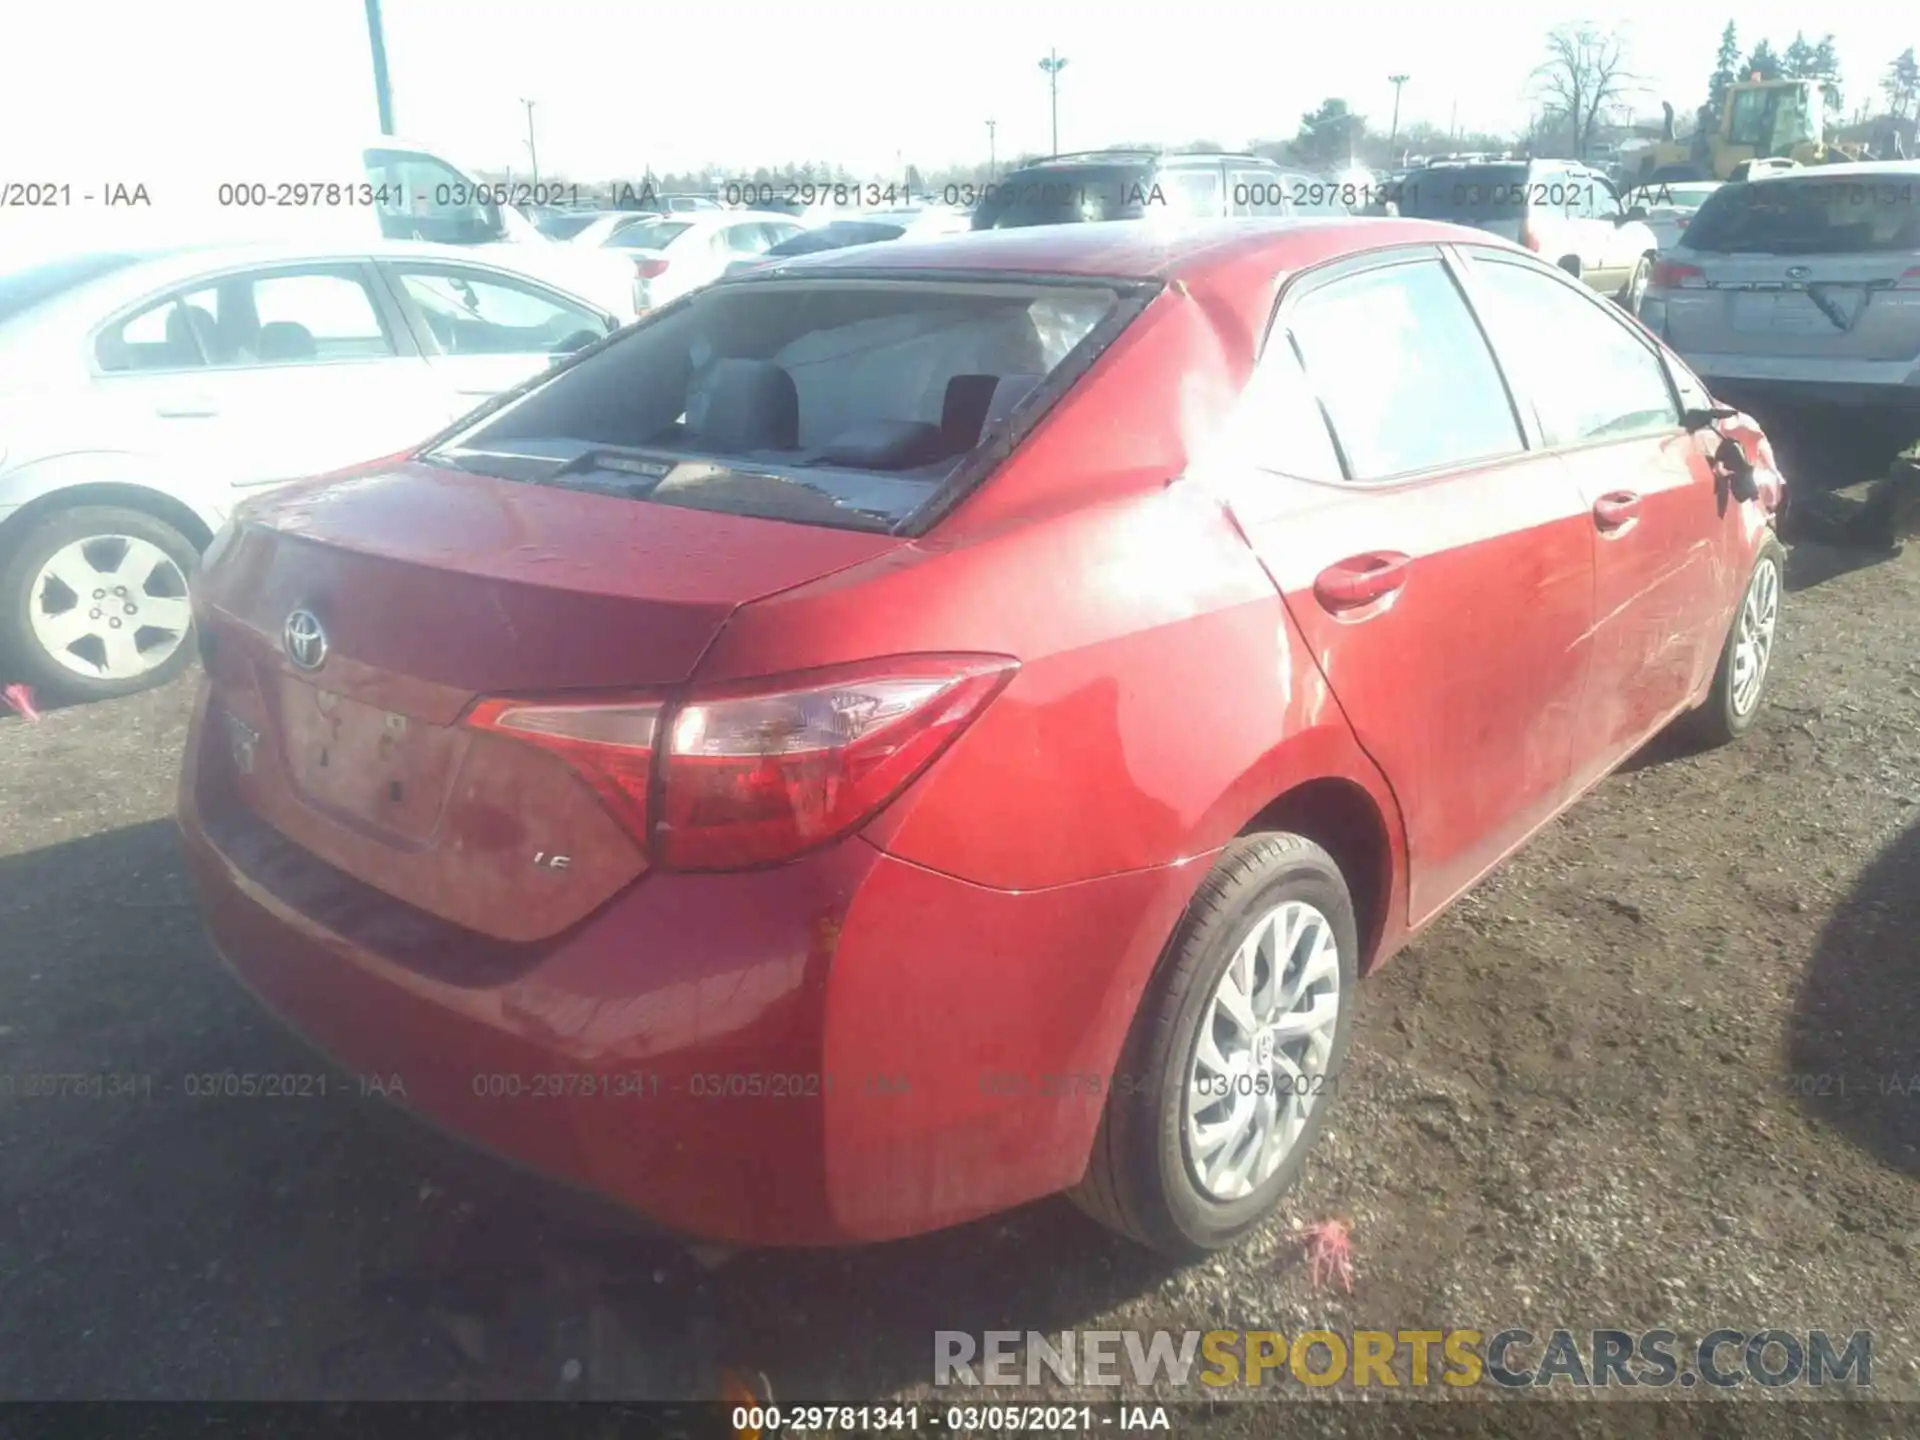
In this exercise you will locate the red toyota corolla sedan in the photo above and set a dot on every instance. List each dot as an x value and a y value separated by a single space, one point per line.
924 727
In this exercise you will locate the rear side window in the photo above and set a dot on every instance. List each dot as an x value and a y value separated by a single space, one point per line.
836 401
420 197
1404 373
563 227
1069 195
1589 376
1812 215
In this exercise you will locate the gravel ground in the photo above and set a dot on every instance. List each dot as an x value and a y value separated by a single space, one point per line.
1655 1072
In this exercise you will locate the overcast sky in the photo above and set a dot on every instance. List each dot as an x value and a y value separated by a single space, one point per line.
97 88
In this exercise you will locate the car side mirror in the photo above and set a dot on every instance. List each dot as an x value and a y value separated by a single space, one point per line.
1731 458
1638 212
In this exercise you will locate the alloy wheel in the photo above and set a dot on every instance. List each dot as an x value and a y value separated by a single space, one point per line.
109 607
1261 1057
1753 639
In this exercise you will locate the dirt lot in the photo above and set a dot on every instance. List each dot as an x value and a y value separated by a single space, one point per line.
1662 1070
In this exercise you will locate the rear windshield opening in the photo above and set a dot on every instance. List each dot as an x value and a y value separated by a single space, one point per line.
844 402
1813 216
1465 192
1067 196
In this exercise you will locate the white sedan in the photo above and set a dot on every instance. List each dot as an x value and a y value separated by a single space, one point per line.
143 395
678 253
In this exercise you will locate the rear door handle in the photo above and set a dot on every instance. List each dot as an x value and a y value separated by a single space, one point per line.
1616 510
1361 580
189 410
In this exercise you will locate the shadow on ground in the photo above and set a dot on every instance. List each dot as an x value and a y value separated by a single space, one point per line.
1854 1043
170 1239
1812 563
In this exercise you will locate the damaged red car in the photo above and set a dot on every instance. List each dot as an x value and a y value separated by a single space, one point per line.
918 729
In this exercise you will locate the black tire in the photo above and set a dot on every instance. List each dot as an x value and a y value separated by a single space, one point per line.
1720 721
1138 1180
1630 298
24 655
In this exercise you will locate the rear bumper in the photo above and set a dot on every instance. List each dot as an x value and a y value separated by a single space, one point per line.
841 1049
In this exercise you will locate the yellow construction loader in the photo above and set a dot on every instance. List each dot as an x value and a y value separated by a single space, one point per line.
1778 121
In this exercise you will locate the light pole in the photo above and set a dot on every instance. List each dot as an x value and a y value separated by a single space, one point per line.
1053 65
533 155
382 91
990 153
1393 135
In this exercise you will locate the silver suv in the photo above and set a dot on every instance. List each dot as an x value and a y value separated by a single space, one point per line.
1144 184
1801 286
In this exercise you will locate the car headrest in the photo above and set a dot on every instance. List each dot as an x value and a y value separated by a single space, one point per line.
750 405
963 414
885 445
1007 395
284 340
192 335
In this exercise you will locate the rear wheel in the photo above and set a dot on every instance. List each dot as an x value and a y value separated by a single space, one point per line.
1234 1056
1747 659
93 603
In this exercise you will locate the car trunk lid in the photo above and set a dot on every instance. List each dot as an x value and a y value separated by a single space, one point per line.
350 625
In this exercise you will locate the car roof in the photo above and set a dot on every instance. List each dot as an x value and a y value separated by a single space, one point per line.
1184 251
1080 158
156 268
1852 170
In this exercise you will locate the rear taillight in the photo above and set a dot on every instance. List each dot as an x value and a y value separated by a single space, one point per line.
650 269
1909 280
1529 239
609 745
1672 275
755 773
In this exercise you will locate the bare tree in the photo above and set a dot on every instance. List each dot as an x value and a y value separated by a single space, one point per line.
1584 72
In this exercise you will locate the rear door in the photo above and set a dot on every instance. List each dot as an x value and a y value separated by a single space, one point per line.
1663 530
485 331
1441 571
1797 269
266 375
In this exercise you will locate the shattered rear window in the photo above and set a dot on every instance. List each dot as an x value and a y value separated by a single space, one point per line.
835 401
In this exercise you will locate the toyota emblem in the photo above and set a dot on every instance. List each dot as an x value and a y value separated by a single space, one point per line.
1799 272
305 640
